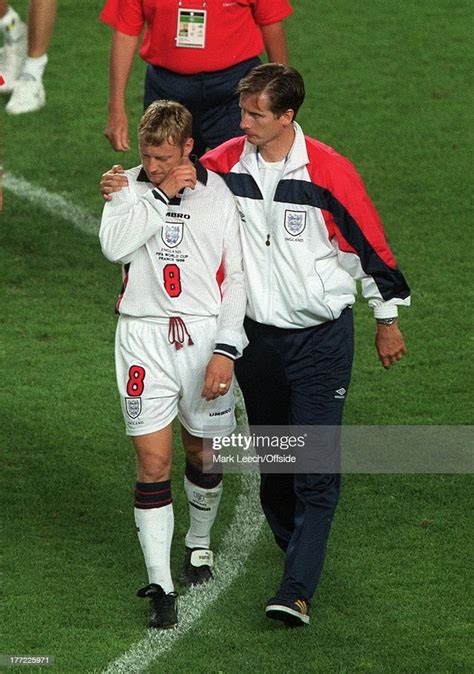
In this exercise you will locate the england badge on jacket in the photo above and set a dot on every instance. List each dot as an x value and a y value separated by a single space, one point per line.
295 222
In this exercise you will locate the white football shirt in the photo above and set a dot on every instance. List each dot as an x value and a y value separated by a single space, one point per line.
173 252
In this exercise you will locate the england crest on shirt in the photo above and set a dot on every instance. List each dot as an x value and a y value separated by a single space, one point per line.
172 234
295 222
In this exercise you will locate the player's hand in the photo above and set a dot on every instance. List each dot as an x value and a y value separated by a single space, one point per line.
181 176
117 131
389 344
218 377
112 181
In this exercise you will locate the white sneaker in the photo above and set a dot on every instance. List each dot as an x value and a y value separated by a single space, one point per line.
12 58
28 95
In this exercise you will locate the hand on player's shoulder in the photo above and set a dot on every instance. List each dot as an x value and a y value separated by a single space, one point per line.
112 181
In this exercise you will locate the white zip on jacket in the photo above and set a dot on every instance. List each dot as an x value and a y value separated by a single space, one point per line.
304 251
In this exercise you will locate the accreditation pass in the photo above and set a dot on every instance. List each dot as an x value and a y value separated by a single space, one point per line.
191 30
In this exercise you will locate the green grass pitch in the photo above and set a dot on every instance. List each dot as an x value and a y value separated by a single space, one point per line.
387 86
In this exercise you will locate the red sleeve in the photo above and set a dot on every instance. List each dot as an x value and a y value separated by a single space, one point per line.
270 11
125 16
337 175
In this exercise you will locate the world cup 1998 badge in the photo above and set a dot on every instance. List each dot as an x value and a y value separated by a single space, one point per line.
295 222
134 407
172 234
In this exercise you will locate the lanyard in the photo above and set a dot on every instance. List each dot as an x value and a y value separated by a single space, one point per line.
203 4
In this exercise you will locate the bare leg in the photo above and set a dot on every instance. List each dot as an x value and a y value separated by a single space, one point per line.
154 455
41 17
193 447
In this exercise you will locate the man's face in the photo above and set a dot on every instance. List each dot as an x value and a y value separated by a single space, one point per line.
158 160
259 123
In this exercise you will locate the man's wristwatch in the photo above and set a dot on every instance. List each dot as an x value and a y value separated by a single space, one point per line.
386 321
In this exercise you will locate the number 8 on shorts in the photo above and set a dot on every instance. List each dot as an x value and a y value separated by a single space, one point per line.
135 385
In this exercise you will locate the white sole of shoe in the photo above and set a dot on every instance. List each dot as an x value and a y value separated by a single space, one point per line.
286 614
23 111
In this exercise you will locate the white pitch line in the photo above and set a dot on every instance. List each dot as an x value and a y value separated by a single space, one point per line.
243 530
52 203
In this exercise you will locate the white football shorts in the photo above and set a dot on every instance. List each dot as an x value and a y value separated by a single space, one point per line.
158 382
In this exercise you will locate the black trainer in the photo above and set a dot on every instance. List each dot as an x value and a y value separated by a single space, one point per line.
293 612
196 567
163 609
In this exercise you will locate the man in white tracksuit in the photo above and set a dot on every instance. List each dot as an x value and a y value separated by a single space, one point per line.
175 230
308 231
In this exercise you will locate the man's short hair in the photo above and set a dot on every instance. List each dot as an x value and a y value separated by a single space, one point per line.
165 121
282 84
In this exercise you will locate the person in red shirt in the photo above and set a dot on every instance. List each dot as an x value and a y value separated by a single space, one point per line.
197 51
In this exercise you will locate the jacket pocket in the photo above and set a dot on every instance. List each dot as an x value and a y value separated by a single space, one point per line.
339 287
311 299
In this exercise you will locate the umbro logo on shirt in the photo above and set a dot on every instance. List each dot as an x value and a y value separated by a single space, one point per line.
340 394
183 216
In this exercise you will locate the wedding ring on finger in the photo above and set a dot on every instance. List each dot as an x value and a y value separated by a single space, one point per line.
222 386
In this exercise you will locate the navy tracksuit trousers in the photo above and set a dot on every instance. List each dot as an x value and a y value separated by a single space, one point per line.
295 377
210 97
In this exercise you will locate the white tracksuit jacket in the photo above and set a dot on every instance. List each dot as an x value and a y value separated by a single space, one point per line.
303 252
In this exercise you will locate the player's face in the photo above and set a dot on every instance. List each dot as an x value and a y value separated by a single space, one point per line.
158 160
259 123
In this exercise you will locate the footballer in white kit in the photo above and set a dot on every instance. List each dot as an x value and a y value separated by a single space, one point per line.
173 255
175 230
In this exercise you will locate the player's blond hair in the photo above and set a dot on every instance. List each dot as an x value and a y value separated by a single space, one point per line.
165 121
